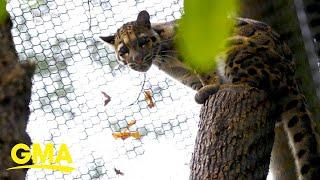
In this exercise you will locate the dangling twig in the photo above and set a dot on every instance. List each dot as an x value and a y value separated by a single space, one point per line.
89 15
144 81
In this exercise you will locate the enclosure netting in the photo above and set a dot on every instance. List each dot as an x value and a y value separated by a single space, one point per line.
74 68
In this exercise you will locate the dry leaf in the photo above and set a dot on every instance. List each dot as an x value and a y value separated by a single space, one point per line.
135 134
131 123
108 98
148 97
126 134
122 135
118 172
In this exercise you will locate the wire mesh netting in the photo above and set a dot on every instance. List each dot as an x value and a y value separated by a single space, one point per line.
74 68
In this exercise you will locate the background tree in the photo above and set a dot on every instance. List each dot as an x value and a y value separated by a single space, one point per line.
15 92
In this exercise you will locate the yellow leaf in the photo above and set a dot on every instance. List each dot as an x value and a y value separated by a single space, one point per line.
203 31
3 12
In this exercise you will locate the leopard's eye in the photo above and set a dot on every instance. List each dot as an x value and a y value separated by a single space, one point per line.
153 38
123 50
143 41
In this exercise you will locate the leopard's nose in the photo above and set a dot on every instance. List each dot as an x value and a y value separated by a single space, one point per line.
138 59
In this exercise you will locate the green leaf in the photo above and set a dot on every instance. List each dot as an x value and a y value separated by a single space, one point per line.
3 12
203 31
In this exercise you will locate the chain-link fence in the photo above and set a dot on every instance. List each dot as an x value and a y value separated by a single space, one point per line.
74 68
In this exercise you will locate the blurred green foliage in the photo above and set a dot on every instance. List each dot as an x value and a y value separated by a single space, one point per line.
203 31
3 12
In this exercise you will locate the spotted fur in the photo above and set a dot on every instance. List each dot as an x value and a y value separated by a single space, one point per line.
256 56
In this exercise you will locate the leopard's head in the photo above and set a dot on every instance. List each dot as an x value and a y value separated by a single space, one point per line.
135 43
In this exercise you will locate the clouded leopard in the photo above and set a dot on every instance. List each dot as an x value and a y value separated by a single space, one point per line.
255 56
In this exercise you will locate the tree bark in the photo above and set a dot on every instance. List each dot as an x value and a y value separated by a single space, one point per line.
235 135
15 91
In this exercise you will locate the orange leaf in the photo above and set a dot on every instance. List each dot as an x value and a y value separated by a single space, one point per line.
136 134
131 123
122 135
148 97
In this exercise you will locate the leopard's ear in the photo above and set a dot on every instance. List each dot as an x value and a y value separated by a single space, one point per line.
144 19
108 39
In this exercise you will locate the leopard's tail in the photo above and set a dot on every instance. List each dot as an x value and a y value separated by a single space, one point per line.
303 139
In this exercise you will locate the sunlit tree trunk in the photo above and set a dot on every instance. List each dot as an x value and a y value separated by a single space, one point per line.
235 136
15 91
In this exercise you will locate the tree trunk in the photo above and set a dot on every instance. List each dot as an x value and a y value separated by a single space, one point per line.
15 91
235 135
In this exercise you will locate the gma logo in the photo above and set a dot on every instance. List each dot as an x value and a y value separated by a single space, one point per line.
42 159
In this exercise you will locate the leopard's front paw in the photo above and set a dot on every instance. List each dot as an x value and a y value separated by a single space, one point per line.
203 94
